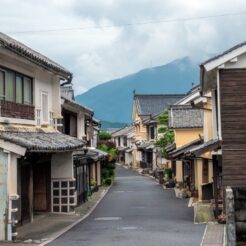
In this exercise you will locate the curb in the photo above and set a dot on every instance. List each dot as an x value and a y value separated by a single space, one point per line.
61 232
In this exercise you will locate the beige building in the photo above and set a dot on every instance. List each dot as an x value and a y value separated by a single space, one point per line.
146 109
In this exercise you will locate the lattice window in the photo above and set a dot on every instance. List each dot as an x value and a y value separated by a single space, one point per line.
63 196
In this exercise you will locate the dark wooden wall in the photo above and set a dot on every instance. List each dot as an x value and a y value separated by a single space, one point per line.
233 124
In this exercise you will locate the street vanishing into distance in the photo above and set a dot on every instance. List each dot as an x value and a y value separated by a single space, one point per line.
136 212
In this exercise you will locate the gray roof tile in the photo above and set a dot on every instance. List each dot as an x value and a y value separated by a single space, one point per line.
32 55
184 116
43 142
155 104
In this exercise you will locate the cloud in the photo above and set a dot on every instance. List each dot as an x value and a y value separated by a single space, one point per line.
98 55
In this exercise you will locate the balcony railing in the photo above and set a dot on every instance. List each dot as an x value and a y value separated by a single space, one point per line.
17 110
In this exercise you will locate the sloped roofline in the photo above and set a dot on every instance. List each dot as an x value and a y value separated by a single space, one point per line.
35 57
220 59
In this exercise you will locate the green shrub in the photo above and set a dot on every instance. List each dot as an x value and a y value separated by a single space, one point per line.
111 172
105 135
105 173
108 181
168 172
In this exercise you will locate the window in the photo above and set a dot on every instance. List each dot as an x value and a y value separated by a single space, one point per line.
15 87
52 123
44 103
27 91
152 132
125 141
9 82
2 84
38 117
19 89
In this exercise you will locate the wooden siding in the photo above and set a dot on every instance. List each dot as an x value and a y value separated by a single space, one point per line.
233 125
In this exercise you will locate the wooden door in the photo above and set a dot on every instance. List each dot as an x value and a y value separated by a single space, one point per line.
41 187
25 179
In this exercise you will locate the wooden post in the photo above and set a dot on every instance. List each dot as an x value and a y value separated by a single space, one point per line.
230 218
30 192
215 179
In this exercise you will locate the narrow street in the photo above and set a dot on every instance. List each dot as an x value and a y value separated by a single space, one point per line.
136 212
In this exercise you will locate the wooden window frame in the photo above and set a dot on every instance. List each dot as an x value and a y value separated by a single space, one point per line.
22 76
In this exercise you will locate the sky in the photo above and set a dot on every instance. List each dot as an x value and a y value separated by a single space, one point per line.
108 39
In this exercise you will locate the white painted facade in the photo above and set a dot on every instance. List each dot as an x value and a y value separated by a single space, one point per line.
44 83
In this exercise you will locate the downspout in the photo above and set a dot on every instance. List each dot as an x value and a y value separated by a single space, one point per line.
69 80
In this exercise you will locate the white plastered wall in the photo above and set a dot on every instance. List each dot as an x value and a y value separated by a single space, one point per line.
179 171
62 166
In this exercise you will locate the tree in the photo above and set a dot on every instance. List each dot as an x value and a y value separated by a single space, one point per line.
105 135
168 135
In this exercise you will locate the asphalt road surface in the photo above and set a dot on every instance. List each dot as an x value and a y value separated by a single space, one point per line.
136 212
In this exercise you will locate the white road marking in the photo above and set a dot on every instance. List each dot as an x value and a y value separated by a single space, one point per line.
107 218
130 228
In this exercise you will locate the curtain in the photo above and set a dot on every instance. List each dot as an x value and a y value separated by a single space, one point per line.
10 80
1 85
19 91
27 91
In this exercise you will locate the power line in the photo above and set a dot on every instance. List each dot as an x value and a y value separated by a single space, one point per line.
129 24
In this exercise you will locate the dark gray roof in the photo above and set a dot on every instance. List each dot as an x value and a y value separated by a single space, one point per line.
210 145
123 131
224 53
32 55
43 142
155 104
90 154
76 105
184 116
180 152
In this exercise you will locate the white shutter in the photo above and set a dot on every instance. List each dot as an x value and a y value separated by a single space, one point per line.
45 111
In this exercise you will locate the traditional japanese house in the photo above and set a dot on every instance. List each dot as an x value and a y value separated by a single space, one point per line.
223 80
145 110
124 139
78 122
187 124
36 160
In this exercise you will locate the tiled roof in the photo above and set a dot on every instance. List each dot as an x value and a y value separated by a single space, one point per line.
210 145
92 153
75 104
179 152
123 131
43 142
155 104
184 116
33 56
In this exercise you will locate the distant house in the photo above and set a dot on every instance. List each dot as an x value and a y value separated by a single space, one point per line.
187 124
36 167
124 142
146 108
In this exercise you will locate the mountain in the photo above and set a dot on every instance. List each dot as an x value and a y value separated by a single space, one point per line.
112 101
111 125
